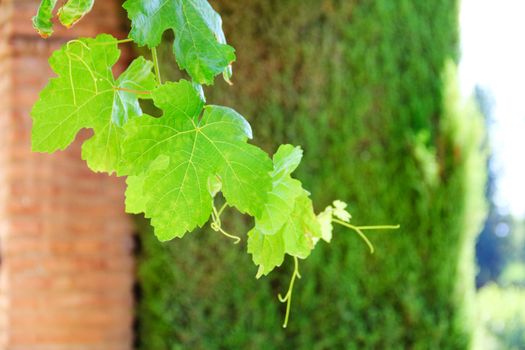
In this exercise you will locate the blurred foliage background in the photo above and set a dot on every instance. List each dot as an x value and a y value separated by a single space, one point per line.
500 253
368 89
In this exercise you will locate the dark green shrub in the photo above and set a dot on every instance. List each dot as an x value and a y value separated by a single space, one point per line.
359 84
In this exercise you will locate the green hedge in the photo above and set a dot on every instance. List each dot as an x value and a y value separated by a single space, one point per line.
359 84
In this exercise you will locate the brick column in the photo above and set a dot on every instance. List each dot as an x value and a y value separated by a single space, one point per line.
66 268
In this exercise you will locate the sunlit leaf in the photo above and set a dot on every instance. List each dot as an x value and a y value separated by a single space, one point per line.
288 224
199 46
199 148
86 95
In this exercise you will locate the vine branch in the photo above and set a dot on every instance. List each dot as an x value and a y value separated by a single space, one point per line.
123 41
359 230
288 296
155 58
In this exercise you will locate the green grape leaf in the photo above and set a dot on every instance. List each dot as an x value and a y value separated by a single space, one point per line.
288 224
69 14
286 160
178 195
73 11
337 210
86 95
200 45
42 21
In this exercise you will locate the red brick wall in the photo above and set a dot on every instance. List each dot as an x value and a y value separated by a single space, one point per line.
66 269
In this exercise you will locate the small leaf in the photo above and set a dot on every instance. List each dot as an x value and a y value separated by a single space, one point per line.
73 11
296 237
325 218
69 14
339 211
42 21
288 224
286 160
200 46
214 185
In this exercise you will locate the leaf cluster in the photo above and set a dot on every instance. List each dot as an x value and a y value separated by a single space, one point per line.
175 164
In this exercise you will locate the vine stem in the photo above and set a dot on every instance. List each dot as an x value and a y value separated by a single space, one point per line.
288 297
123 41
155 58
222 209
380 227
357 229
216 217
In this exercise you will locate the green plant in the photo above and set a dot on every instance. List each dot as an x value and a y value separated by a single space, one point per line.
360 85
177 164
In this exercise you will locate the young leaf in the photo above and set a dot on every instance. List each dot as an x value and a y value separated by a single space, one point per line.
339 210
69 14
296 237
73 11
336 210
42 21
177 197
86 95
288 224
200 46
